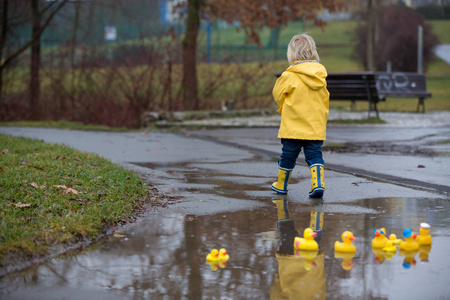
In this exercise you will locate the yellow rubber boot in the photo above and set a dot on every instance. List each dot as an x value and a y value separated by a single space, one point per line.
281 186
317 181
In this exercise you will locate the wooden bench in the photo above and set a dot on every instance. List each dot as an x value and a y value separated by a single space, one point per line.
377 86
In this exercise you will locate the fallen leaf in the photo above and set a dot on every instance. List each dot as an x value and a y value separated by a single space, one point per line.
70 190
20 204
60 186
118 235
43 186
421 166
4 152
33 184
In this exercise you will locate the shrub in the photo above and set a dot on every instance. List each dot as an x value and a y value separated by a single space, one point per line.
397 40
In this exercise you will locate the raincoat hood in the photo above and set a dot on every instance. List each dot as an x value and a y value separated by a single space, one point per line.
313 74
303 101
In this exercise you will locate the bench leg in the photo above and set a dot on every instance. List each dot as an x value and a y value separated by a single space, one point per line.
421 103
373 107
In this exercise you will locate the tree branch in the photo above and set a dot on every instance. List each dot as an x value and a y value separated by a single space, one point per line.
35 37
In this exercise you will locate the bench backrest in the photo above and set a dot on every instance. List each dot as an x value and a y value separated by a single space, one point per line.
376 86
401 85
352 86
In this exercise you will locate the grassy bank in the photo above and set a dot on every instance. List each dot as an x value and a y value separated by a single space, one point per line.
54 195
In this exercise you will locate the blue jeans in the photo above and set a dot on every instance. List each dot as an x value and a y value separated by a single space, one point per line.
291 149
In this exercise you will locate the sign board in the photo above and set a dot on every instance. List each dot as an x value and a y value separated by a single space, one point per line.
110 33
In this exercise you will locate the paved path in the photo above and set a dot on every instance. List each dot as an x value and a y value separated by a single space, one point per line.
443 51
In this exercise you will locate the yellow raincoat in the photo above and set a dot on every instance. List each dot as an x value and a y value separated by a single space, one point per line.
303 101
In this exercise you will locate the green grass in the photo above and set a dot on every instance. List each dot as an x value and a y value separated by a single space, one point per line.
440 28
38 210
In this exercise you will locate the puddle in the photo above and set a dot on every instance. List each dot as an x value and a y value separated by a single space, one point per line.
164 257
227 206
379 148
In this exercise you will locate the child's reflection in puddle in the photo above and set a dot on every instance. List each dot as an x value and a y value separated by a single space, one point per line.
301 274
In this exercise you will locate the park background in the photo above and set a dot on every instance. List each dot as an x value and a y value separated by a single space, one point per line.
107 62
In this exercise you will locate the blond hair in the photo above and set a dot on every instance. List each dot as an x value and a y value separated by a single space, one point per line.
302 47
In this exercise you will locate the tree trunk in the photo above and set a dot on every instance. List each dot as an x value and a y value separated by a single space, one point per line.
35 60
189 87
73 47
369 37
2 46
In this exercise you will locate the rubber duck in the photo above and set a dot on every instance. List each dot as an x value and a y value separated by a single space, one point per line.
390 247
213 255
307 242
409 244
223 255
346 263
380 239
346 244
424 237
394 239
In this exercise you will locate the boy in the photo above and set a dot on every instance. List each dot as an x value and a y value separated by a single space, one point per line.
303 102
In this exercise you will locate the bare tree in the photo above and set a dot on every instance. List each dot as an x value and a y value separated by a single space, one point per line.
252 16
189 87
40 20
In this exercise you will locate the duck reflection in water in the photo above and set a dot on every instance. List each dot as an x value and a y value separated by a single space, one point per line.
301 274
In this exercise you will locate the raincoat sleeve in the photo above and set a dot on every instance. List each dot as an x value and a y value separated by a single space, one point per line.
281 89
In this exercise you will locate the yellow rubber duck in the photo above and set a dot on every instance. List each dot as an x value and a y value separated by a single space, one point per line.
223 255
346 244
394 239
346 263
380 238
424 237
307 242
409 244
390 247
213 255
